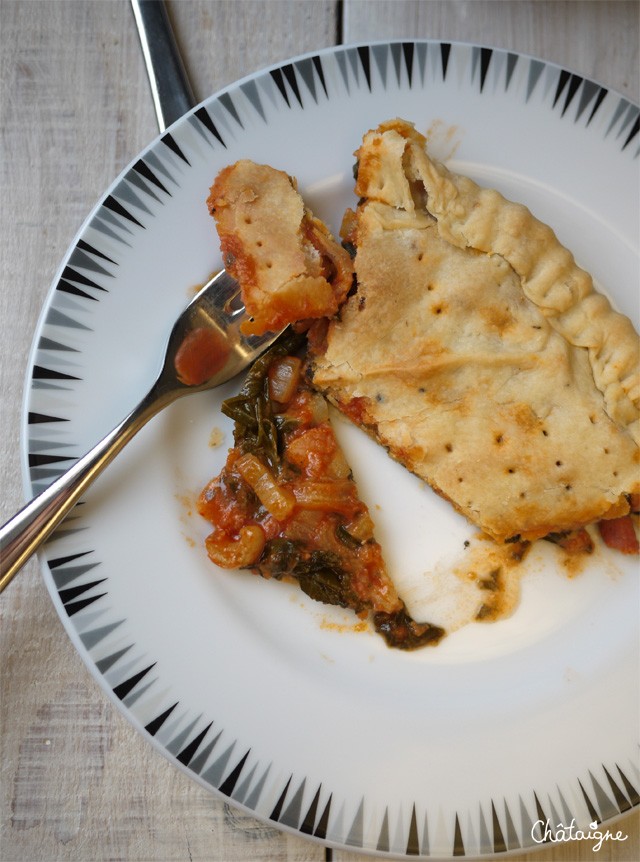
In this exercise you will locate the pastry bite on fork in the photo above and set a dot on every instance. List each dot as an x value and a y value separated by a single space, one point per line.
288 265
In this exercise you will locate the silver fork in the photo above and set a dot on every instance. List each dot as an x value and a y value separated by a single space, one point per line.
216 305
215 310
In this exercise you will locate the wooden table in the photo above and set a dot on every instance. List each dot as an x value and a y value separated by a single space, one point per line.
78 782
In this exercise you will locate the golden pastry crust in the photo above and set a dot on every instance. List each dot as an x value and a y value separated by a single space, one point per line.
478 353
288 265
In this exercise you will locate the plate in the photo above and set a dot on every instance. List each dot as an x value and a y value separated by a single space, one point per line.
502 736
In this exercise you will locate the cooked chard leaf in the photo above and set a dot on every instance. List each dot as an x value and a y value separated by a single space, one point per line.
402 632
319 573
240 409
256 426
323 579
279 557
285 423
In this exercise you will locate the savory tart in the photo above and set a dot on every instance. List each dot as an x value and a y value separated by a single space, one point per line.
479 354
288 265
286 505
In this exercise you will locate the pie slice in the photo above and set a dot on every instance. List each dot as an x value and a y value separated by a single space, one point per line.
286 505
478 353
288 265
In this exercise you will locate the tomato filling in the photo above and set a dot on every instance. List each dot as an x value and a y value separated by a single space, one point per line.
619 534
285 504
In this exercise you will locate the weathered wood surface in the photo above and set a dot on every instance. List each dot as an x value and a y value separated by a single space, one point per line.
78 783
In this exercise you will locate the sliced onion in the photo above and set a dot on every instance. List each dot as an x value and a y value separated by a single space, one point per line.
360 527
284 375
338 466
319 408
328 496
277 500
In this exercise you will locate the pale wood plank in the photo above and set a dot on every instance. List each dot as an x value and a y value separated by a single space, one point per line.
226 40
596 39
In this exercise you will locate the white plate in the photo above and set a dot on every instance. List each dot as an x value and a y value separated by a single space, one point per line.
271 700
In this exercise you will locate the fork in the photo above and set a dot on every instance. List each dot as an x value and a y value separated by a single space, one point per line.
206 348
216 308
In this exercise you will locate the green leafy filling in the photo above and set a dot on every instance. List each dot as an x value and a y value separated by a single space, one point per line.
258 429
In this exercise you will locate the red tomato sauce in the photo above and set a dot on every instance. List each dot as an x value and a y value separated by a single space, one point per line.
619 534
202 354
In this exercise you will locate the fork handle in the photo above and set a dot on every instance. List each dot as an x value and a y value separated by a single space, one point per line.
23 534
170 87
